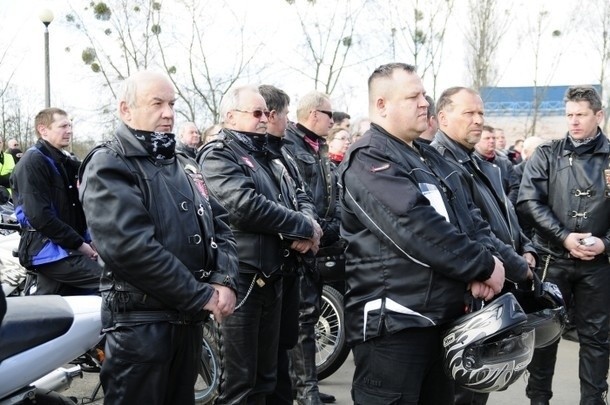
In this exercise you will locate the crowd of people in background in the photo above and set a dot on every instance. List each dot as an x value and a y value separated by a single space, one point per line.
423 198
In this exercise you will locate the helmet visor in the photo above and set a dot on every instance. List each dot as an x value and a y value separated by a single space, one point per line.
516 349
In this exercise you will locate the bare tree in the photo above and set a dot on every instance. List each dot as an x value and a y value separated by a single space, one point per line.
328 37
539 35
417 33
598 29
117 38
487 23
16 116
199 75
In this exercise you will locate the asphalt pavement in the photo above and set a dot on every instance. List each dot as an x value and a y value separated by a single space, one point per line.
565 384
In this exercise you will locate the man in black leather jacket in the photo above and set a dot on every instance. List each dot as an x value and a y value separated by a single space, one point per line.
55 241
307 142
277 102
169 255
565 195
189 139
269 226
460 119
416 243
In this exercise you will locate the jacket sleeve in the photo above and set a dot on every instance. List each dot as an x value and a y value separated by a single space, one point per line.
34 187
532 204
125 236
512 183
390 204
249 210
227 263
516 267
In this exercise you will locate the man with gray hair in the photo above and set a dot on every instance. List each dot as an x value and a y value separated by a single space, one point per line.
270 230
189 139
565 196
169 255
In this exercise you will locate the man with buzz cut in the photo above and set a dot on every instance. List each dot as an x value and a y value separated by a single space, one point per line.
416 245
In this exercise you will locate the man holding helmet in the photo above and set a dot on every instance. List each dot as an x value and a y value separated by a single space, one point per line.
410 260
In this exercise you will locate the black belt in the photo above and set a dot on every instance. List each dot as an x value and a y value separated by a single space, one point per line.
131 317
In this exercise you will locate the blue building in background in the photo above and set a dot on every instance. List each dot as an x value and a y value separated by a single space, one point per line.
521 101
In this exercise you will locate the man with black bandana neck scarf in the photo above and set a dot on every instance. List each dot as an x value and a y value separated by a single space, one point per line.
169 255
268 228
565 196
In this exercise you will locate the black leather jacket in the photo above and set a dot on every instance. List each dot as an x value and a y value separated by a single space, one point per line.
564 192
159 239
487 191
508 179
407 265
262 211
318 175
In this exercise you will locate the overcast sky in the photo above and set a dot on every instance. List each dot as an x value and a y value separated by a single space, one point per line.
22 32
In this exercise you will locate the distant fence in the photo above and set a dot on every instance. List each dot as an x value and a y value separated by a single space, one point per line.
521 101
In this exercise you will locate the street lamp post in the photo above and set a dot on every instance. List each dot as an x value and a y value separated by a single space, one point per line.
46 16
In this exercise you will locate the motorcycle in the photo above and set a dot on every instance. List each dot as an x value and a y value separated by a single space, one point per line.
331 345
39 335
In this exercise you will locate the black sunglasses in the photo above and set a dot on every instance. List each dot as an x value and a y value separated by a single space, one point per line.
256 113
329 113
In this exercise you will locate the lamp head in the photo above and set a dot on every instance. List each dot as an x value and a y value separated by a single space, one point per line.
46 16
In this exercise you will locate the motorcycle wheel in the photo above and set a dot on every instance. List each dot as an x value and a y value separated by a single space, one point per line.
331 347
208 369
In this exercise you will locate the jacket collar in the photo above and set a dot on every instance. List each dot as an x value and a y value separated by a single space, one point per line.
602 147
460 153
131 146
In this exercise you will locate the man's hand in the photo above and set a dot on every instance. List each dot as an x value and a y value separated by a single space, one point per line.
579 251
87 250
226 302
212 304
317 235
481 290
530 259
496 281
302 245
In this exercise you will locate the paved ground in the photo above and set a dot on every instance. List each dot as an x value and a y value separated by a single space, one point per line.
566 386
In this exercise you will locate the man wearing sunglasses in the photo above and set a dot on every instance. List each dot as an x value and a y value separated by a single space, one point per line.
269 228
307 141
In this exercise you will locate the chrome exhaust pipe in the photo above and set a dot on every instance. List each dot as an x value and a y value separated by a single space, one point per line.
58 380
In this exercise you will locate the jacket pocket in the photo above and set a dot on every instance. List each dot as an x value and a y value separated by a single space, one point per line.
30 244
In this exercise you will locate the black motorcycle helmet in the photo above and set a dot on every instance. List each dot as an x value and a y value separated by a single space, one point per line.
545 309
487 350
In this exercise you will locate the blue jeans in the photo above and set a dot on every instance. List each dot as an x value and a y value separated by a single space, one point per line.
405 368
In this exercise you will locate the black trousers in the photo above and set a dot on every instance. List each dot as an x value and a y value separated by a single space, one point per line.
74 275
405 368
289 333
303 355
249 343
589 285
152 364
